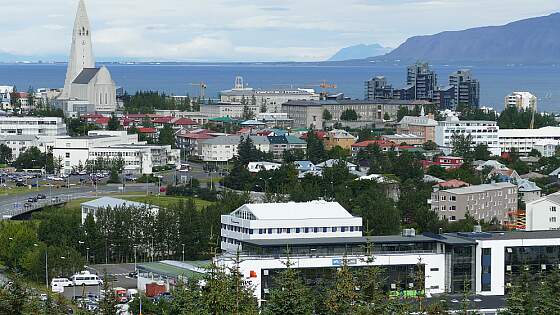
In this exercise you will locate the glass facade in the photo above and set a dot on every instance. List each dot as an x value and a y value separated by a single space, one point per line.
532 259
462 269
486 262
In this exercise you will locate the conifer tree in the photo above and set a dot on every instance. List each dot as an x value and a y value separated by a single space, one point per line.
342 297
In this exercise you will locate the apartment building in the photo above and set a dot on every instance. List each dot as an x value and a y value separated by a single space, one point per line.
340 138
525 140
224 148
543 213
482 132
466 88
483 202
423 79
521 101
20 143
35 126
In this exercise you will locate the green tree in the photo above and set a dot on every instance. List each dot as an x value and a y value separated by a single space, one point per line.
315 148
461 145
349 115
342 297
327 115
386 116
289 294
481 152
31 158
247 113
108 304
167 136
429 145
114 123
5 154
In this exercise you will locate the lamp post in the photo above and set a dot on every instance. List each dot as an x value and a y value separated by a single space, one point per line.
183 257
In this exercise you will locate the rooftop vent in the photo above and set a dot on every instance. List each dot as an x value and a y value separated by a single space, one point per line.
477 229
409 233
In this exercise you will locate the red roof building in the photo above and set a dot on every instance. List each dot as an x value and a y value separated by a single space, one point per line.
162 120
147 130
454 183
184 122
102 121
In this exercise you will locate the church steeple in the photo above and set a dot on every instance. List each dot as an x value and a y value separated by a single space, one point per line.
81 55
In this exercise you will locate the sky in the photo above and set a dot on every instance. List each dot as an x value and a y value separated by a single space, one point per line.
243 30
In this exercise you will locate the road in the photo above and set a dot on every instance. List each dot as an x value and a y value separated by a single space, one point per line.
117 275
11 205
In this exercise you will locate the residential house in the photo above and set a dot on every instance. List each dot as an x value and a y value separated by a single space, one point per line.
543 213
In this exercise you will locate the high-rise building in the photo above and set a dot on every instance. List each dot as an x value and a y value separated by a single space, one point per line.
423 79
444 97
86 88
467 89
521 100
377 88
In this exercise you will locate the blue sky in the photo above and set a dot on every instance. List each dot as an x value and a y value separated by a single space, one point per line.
248 30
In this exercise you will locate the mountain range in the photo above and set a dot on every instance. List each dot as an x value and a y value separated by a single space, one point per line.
360 51
534 40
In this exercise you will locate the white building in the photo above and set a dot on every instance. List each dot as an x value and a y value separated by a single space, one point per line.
35 126
138 157
86 88
226 109
280 221
224 148
91 207
272 100
525 140
255 167
521 100
19 143
482 132
5 95
543 213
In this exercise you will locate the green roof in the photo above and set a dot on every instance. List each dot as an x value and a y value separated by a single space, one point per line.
169 270
295 140
224 119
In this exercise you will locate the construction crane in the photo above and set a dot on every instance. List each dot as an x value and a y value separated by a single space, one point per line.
202 86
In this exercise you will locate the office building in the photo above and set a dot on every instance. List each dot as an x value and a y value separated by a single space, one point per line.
466 89
482 202
521 101
484 262
308 114
138 157
525 140
268 101
482 132
377 88
423 80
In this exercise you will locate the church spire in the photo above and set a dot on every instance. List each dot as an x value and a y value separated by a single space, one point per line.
81 55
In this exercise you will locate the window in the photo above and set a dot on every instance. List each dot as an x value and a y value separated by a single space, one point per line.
453 198
269 231
306 230
298 230
67 154
279 231
553 208
552 220
334 229
434 269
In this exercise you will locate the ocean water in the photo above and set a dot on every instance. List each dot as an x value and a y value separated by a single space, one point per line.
180 79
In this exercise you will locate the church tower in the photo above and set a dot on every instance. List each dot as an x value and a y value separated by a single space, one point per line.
81 55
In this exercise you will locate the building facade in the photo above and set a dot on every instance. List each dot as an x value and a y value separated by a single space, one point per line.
482 202
224 148
423 79
525 140
377 88
466 88
521 101
423 126
482 132
543 213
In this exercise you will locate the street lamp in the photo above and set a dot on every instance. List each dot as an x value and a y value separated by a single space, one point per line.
183 252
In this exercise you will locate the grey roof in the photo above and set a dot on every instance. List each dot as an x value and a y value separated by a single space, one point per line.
479 188
511 235
110 202
388 239
86 75
525 185
555 172
11 137
555 198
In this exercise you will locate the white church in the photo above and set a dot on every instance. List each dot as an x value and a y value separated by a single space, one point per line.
87 89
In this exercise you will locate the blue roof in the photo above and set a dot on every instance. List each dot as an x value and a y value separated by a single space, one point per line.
304 165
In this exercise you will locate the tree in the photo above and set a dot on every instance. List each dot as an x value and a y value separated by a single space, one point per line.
481 152
108 304
167 136
386 117
247 113
429 145
461 145
349 115
342 297
5 154
31 158
401 112
289 294
327 115
315 147
114 123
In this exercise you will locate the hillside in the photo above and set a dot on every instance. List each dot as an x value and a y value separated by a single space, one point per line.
360 51
534 40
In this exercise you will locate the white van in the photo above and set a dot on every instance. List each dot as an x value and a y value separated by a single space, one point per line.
58 284
86 278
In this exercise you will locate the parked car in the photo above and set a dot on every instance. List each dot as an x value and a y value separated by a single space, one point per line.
58 284
20 184
41 196
32 199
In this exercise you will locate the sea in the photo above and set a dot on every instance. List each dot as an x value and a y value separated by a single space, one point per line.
496 81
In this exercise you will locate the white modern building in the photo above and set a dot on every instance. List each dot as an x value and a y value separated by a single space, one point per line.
525 140
5 95
543 213
91 207
280 221
224 148
138 157
270 100
35 126
521 100
265 235
482 132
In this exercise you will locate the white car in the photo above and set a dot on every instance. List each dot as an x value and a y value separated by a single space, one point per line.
58 284
86 278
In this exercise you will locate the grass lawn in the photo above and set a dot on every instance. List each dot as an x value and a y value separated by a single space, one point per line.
10 191
162 201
